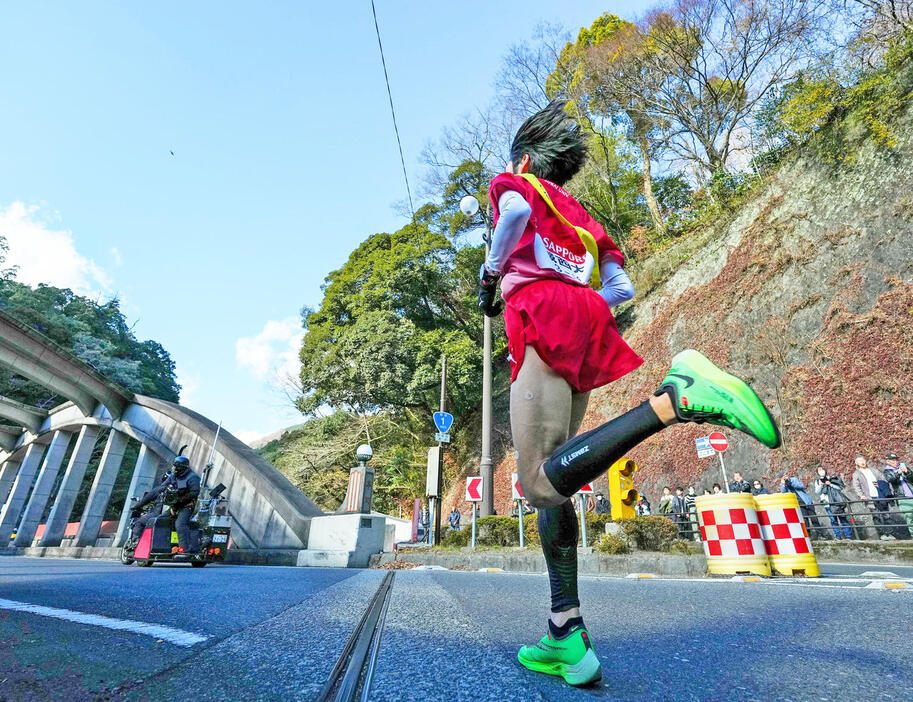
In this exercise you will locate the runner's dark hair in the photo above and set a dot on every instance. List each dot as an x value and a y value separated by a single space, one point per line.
554 142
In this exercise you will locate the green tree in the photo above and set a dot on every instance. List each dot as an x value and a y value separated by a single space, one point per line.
400 302
95 332
602 75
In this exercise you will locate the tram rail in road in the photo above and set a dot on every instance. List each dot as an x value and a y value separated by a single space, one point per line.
354 670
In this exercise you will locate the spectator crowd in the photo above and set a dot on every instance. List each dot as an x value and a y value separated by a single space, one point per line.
881 488
884 487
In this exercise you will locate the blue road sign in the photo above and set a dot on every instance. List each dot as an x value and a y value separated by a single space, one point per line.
443 421
702 443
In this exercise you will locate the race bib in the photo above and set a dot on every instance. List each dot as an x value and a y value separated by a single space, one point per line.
558 258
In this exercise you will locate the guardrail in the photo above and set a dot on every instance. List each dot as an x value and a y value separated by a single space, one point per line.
861 520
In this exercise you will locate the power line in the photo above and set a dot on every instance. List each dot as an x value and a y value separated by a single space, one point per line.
399 143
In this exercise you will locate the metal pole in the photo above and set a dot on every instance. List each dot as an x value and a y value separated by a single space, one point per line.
208 468
440 465
580 499
473 525
431 510
486 466
725 479
520 514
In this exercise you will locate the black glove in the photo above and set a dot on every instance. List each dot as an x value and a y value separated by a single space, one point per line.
136 512
488 293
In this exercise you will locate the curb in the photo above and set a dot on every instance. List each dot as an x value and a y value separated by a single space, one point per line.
516 560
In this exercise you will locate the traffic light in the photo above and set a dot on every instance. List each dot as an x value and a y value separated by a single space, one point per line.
622 494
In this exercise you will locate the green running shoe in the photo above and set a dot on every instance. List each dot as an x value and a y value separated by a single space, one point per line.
701 392
572 657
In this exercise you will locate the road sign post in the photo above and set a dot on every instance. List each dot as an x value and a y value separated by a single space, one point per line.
581 498
474 488
473 544
442 420
520 515
704 449
719 443
517 494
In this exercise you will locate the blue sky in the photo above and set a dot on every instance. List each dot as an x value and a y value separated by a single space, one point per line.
284 158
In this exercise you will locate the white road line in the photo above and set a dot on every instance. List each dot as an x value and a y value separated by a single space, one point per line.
157 631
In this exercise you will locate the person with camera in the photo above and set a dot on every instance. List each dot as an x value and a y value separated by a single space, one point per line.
797 487
829 489
872 488
175 495
900 479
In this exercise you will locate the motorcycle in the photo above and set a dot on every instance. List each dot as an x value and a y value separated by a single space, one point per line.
210 533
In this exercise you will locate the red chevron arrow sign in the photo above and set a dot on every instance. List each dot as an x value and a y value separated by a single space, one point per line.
517 492
474 488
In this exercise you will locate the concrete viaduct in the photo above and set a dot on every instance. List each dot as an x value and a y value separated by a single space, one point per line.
268 511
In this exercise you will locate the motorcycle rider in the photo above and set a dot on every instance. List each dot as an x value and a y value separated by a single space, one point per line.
178 491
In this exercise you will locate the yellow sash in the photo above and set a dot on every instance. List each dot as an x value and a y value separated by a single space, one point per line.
585 237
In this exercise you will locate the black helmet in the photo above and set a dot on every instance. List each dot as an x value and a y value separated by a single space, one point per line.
181 465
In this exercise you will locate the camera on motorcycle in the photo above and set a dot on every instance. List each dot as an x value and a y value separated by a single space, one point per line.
217 490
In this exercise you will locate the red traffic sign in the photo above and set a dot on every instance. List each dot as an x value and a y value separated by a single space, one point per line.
517 491
474 488
586 489
718 441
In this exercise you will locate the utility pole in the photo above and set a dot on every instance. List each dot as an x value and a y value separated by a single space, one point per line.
469 206
440 465
486 466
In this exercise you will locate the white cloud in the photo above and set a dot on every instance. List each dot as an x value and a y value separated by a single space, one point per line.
189 383
44 254
273 353
116 256
248 436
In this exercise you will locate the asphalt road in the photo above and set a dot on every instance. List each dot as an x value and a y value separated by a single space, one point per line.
275 634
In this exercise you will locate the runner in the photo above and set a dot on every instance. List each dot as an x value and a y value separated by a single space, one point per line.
563 343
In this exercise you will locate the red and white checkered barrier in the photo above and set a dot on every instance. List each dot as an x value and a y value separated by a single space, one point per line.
784 532
789 547
731 531
760 535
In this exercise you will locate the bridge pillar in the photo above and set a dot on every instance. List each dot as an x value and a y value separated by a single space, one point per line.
34 510
56 525
9 516
92 516
7 477
147 468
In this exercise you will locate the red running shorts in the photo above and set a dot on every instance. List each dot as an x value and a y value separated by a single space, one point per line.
573 331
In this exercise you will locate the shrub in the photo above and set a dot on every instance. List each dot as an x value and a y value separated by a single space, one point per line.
498 531
457 539
595 527
531 531
652 533
595 523
612 543
681 546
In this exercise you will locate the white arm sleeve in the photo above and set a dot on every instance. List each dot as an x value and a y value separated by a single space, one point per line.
514 212
616 285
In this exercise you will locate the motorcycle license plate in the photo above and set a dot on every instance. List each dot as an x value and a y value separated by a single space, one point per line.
219 538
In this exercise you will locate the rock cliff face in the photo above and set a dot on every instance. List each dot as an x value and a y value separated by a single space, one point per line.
806 293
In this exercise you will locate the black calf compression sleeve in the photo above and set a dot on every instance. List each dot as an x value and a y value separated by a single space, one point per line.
558 533
586 457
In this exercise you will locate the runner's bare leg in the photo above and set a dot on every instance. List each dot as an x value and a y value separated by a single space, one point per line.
543 411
